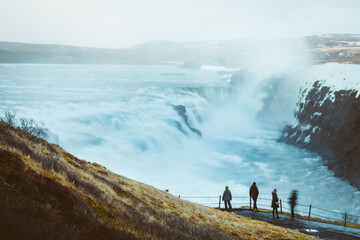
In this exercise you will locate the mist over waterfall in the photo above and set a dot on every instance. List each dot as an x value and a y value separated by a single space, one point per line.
191 131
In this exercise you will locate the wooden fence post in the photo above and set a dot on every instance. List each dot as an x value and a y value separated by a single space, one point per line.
219 202
345 218
309 211
280 206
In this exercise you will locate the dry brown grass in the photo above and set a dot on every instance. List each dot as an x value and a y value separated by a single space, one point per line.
339 48
108 204
340 54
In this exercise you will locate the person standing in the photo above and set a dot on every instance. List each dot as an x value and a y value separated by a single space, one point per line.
275 203
254 193
227 198
292 202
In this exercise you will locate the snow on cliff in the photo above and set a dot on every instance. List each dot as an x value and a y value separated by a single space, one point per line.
335 75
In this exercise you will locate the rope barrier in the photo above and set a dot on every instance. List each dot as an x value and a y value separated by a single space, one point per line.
327 218
263 205
268 206
210 203
327 210
199 197
301 212
264 199
302 205
354 216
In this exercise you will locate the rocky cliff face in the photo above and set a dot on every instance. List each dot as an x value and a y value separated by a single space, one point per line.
328 123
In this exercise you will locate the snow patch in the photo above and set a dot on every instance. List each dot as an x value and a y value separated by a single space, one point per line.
314 129
336 76
307 127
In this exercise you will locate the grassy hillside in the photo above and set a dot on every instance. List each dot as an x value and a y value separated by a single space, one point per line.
46 193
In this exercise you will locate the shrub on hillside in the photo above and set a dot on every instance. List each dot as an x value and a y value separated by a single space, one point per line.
35 128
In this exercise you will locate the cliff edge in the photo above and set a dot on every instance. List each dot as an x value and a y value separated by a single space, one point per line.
327 121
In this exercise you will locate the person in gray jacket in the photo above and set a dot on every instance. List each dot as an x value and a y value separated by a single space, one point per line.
227 198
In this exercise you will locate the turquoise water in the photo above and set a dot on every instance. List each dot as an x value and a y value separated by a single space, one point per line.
123 117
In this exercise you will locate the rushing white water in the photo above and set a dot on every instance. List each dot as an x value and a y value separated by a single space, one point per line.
123 117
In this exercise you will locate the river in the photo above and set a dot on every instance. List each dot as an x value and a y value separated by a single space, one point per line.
125 118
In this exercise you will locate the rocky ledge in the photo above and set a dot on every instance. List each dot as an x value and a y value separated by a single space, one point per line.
327 121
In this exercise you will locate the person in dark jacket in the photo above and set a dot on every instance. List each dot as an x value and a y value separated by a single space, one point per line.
275 203
227 198
254 193
292 201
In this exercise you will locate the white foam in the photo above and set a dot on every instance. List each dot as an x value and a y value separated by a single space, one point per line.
218 68
123 117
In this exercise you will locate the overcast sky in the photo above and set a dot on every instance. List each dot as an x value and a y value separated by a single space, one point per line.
124 23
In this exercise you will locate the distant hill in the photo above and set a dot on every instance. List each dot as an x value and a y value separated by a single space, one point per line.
342 48
233 53
62 54
46 193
